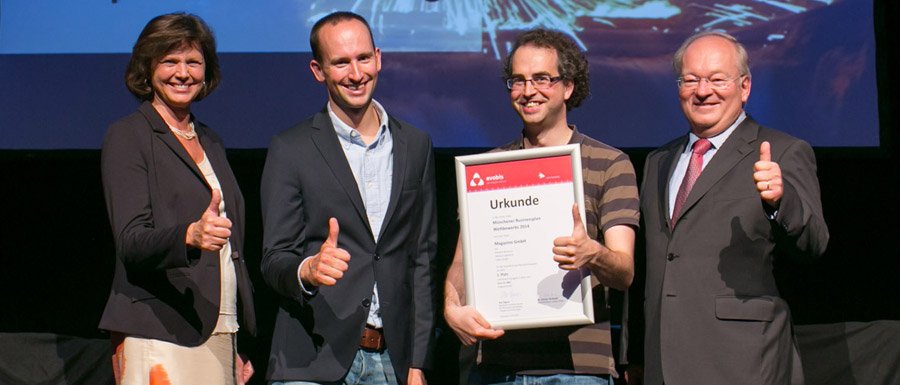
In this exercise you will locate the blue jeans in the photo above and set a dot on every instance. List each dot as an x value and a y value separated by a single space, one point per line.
498 378
368 368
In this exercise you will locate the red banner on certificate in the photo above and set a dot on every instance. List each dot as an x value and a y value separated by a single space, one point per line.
520 173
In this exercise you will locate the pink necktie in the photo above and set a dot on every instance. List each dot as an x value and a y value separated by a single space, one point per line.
699 148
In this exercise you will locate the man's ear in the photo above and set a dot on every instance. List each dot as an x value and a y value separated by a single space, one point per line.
745 89
378 59
317 70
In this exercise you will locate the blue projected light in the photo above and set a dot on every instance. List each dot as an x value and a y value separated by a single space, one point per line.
47 26
813 66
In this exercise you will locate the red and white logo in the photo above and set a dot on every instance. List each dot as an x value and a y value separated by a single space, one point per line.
476 180
519 173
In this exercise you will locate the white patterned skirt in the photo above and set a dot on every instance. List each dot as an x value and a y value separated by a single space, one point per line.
144 361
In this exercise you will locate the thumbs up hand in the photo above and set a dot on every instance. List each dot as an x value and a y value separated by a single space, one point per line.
573 252
767 175
329 265
211 232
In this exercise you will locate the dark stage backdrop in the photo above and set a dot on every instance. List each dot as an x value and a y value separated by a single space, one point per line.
57 260
813 62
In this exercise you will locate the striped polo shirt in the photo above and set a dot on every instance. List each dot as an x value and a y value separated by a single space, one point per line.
610 199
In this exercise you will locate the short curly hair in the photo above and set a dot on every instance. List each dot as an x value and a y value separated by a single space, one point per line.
162 35
572 64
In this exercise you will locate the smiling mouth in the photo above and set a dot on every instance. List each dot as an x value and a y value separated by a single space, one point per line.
355 87
181 87
531 103
531 107
701 105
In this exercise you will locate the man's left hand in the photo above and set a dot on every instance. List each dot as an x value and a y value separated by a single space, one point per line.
573 252
767 175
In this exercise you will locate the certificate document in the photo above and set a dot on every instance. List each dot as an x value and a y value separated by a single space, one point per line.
513 204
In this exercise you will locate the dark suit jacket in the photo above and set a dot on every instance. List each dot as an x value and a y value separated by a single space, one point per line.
154 190
307 180
713 312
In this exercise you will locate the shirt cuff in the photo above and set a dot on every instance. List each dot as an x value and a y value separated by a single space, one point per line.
303 287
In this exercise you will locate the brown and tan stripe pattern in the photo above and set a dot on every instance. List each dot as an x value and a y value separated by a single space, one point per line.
610 199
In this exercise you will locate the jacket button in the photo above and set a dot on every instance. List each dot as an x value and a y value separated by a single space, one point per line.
671 257
377 257
366 302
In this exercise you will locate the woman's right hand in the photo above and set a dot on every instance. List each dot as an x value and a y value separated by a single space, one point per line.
243 369
211 232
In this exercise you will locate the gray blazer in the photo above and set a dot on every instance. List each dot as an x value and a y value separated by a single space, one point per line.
307 180
713 313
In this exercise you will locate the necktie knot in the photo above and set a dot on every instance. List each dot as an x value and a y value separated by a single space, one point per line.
701 146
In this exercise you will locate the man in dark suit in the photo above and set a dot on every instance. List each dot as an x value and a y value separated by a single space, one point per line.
713 312
348 201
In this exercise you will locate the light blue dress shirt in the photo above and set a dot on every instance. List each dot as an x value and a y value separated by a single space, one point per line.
373 168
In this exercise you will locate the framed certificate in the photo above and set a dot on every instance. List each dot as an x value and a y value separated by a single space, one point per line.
512 205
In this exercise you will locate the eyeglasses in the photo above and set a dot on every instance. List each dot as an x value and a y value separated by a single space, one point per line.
540 82
716 81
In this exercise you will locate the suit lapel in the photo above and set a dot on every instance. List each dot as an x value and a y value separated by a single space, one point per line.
668 162
326 141
399 171
736 147
161 130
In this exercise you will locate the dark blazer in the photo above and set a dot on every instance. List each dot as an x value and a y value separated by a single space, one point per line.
154 190
307 180
713 312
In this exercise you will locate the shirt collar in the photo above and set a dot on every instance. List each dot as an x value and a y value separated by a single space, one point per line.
718 140
576 138
345 132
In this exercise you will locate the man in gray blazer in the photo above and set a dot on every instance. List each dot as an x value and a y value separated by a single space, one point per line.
348 201
716 214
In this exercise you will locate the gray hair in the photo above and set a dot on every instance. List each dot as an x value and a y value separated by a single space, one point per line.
743 59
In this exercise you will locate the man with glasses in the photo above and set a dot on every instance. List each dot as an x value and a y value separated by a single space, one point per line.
547 76
719 204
